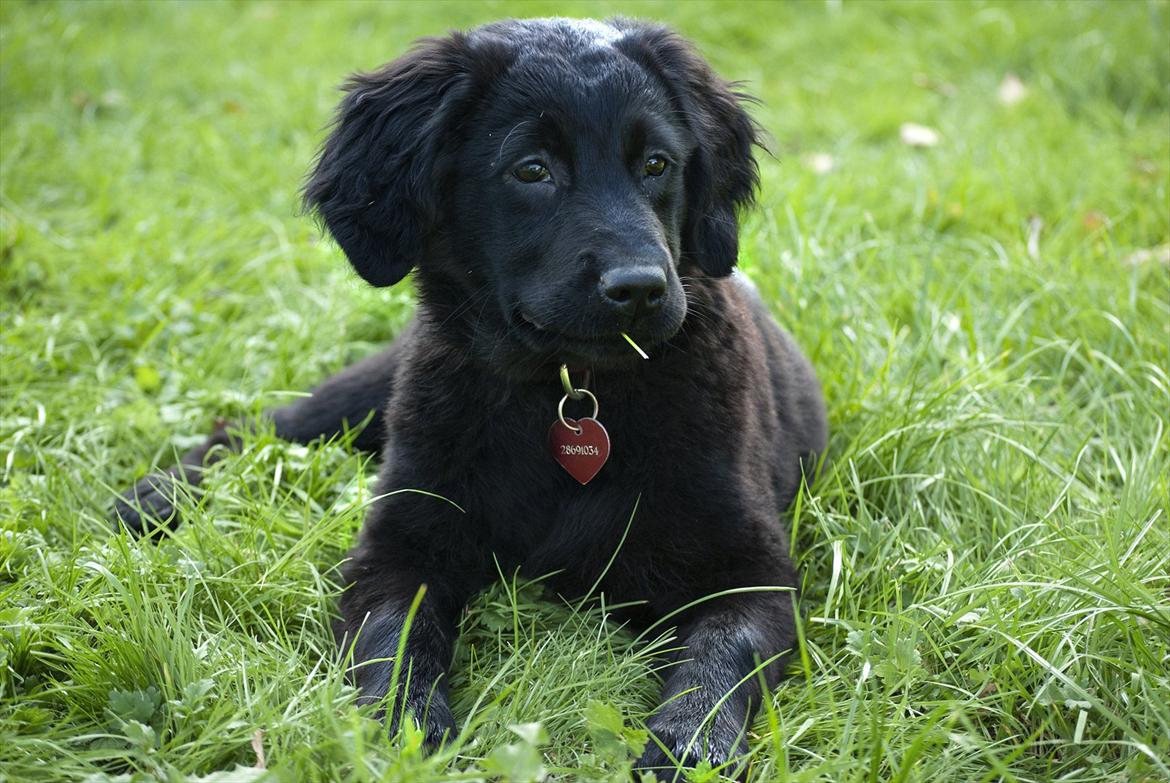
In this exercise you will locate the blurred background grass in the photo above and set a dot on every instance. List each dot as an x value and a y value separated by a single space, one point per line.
985 560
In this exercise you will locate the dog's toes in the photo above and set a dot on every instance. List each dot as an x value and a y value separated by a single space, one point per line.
439 726
654 759
149 506
437 723
671 750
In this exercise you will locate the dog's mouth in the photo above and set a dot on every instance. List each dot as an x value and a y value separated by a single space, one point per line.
543 338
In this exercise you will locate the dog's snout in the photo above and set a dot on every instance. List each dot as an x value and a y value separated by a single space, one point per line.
634 291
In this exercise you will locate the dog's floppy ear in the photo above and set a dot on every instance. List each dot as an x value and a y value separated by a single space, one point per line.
376 182
721 175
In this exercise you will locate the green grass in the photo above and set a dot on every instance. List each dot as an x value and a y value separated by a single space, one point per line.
985 559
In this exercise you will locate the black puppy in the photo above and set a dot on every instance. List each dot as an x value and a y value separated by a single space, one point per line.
556 184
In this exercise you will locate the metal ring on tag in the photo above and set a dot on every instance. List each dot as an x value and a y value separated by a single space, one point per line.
568 384
561 408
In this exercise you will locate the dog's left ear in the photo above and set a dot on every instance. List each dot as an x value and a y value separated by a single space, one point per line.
721 175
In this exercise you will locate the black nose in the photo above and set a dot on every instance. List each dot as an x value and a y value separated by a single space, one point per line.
634 291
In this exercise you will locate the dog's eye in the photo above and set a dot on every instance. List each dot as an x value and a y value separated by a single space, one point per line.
532 171
655 166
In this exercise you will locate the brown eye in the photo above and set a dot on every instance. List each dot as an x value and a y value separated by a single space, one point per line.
532 171
655 166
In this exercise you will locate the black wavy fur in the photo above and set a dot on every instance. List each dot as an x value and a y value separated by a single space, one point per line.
714 433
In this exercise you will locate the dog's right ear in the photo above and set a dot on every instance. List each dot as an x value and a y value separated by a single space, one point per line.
376 182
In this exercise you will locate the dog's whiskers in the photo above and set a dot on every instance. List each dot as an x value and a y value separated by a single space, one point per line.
463 306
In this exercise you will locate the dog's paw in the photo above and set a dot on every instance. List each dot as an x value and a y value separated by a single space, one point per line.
149 506
679 744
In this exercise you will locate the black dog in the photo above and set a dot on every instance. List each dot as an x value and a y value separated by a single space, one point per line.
556 184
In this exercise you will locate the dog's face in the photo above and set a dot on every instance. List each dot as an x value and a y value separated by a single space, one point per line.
571 178
552 180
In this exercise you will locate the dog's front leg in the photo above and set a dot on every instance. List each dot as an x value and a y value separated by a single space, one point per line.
727 645
379 609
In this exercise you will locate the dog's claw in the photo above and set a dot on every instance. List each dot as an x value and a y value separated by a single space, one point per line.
438 727
437 722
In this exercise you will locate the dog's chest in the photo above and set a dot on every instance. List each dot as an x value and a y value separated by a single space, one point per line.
496 463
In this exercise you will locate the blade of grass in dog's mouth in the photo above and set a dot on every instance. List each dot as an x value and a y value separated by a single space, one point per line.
635 346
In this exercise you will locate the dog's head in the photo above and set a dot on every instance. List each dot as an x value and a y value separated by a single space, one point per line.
550 179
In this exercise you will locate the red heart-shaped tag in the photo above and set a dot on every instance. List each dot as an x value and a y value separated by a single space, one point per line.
581 453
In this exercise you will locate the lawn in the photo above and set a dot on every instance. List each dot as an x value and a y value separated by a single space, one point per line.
987 301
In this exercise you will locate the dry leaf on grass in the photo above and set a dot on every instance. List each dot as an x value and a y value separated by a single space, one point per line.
915 135
1035 224
258 748
1095 221
1011 90
1155 255
819 162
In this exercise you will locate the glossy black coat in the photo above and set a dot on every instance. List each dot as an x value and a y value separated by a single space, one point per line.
710 437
